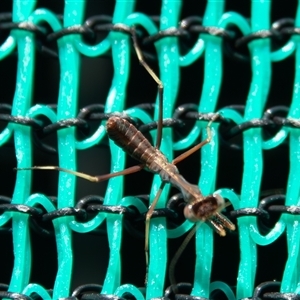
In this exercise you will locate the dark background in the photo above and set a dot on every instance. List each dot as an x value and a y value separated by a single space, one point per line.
90 251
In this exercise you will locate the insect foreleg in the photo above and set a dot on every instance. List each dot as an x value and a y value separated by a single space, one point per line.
160 86
198 146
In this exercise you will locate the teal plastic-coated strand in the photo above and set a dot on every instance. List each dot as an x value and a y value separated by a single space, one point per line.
272 236
209 93
168 56
67 107
34 200
209 153
261 72
115 102
117 48
129 288
131 20
219 285
291 280
10 43
36 289
254 232
21 102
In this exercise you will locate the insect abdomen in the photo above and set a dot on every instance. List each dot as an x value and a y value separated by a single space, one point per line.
132 141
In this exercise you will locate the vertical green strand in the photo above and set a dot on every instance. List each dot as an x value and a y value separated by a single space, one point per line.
168 55
21 103
253 165
291 276
116 99
67 108
209 153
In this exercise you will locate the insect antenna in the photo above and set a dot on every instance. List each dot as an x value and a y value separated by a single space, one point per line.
178 254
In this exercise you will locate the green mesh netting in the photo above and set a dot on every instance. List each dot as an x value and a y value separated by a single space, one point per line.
107 72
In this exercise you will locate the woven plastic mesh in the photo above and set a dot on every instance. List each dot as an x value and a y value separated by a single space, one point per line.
107 72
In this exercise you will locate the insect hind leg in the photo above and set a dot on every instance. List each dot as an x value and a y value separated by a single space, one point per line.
97 178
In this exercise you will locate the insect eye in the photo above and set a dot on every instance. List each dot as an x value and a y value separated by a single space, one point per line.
189 213
220 200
